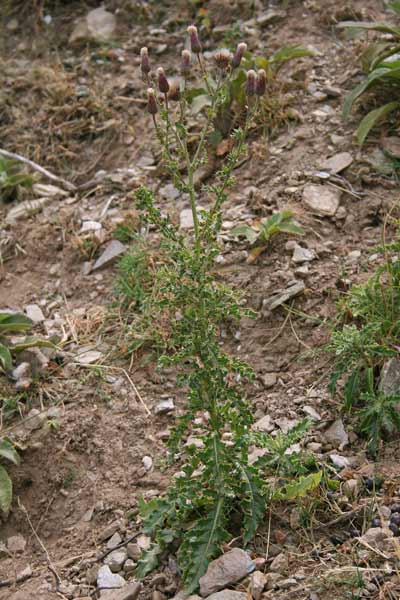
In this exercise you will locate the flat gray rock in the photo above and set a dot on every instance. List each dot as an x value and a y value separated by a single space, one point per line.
226 570
390 377
337 163
114 249
321 200
228 595
336 434
128 592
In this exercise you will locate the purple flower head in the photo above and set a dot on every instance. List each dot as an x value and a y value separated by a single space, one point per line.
237 57
162 81
185 63
174 89
251 83
194 39
222 58
152 107
261 82
144 61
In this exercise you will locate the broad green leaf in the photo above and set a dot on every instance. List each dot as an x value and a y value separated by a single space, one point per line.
5 490
374 26
372 118
8 451
289 53
361 87
5 358
301 487
10 322
245 231
200 102
30 342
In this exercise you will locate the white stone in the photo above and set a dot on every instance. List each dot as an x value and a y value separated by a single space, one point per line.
106 580
226 570
34 312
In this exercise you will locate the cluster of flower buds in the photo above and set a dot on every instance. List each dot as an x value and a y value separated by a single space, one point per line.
223 58
256 83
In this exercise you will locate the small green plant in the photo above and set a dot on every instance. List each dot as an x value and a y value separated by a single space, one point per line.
365 336
14 323
381 64
259 238
7 452
216 479
12 179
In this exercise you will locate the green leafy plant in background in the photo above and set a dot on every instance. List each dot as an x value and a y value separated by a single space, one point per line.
259 238
7 452
213 437
381 64
232 107
14 323
12 179
366 336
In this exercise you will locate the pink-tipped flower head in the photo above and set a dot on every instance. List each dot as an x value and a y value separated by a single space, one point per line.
144 61
237 57
222 58
162 81
194 39
152 107
185 63
261 82
174 89
251 83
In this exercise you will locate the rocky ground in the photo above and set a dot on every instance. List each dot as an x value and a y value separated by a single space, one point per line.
90 420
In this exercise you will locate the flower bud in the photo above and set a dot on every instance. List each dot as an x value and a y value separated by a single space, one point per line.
222 58
162 81
261 82
144 61
185 63
174 90
152 107
237 57
251 83
194 39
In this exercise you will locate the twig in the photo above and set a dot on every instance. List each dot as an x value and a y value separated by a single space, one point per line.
18 579
281 328
69 186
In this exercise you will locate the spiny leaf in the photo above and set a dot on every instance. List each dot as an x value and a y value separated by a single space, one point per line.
153 513
201 544
148 561
5 358
372 118
5 490
8 451
252 503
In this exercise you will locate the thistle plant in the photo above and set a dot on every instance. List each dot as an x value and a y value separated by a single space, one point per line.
212 437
